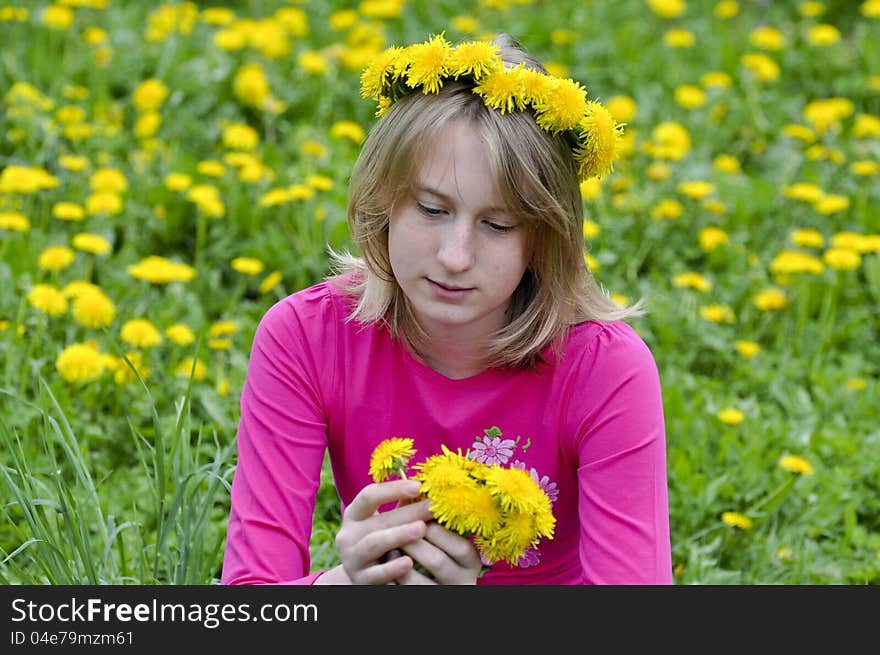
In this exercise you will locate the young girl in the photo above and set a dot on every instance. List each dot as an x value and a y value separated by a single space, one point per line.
471 322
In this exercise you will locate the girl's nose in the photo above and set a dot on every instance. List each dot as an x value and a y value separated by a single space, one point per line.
456 251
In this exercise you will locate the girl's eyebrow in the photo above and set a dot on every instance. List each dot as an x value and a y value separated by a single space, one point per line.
448 199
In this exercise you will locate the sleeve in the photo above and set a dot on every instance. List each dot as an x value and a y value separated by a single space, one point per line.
281 440
621 448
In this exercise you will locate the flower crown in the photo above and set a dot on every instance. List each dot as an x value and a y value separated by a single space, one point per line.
559 104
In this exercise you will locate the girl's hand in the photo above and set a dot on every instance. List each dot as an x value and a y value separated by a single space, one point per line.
366 536
450 558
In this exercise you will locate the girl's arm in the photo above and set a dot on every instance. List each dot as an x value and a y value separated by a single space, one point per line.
623 497
282 437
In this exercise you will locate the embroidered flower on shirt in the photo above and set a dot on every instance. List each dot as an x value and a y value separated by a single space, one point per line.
491 448
532 557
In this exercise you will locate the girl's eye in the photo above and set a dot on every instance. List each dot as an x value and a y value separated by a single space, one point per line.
430 211
501 228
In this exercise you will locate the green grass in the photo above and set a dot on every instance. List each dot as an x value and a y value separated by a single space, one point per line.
125 479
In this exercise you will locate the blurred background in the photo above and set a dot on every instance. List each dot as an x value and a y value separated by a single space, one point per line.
169 171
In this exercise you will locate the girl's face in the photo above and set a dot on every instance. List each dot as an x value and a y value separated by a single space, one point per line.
457 252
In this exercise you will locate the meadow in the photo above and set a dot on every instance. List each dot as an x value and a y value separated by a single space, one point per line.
169 171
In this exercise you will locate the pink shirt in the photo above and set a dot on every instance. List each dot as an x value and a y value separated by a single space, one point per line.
589 429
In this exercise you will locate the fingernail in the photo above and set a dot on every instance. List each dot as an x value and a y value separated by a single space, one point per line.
412 487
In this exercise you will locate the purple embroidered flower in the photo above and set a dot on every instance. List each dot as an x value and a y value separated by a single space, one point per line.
492 450
550 488
532 557
517 464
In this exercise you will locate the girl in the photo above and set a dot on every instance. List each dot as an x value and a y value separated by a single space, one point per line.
472 322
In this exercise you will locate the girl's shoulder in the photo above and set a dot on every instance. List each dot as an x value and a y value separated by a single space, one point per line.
605 342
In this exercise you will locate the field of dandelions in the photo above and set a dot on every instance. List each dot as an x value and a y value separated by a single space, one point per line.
168 171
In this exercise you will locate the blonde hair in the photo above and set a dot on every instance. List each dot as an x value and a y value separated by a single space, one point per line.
538 181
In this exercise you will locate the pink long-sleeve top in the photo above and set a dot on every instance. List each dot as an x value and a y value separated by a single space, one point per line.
589 428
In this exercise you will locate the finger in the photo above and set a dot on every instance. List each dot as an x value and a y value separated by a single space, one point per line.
459 548
371 497
374 546
432 558
419 511
415 577
385 573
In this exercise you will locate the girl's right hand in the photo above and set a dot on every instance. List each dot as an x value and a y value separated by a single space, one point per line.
366 535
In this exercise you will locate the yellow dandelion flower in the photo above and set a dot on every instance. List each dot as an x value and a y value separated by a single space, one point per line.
452 506
93 309
103 202
598 142
696 188
14 221
679 38
566 107
348 130
57 17
248 265
718 313
843 259
710 238
79 287
808 238
122 373
831 204
668 8
796 464
68 211
737 520
856 384
670 140
428 64
659 171
475 59
55 258
501 90
270 282
444 470
536 87
80 362
731 416
108 179
48 298
692 280
189 366
770 299
149 95
803 191
486 514
378 76
726 9
389 457
181 334
515 489
140 333
240 136
159 270
93 244
864 168
747 349
726 164
178 182
223 328
823 35
791 261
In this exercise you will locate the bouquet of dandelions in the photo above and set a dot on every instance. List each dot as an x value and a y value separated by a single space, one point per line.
501 509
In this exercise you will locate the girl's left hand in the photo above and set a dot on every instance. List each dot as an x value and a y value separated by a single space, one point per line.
450 558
